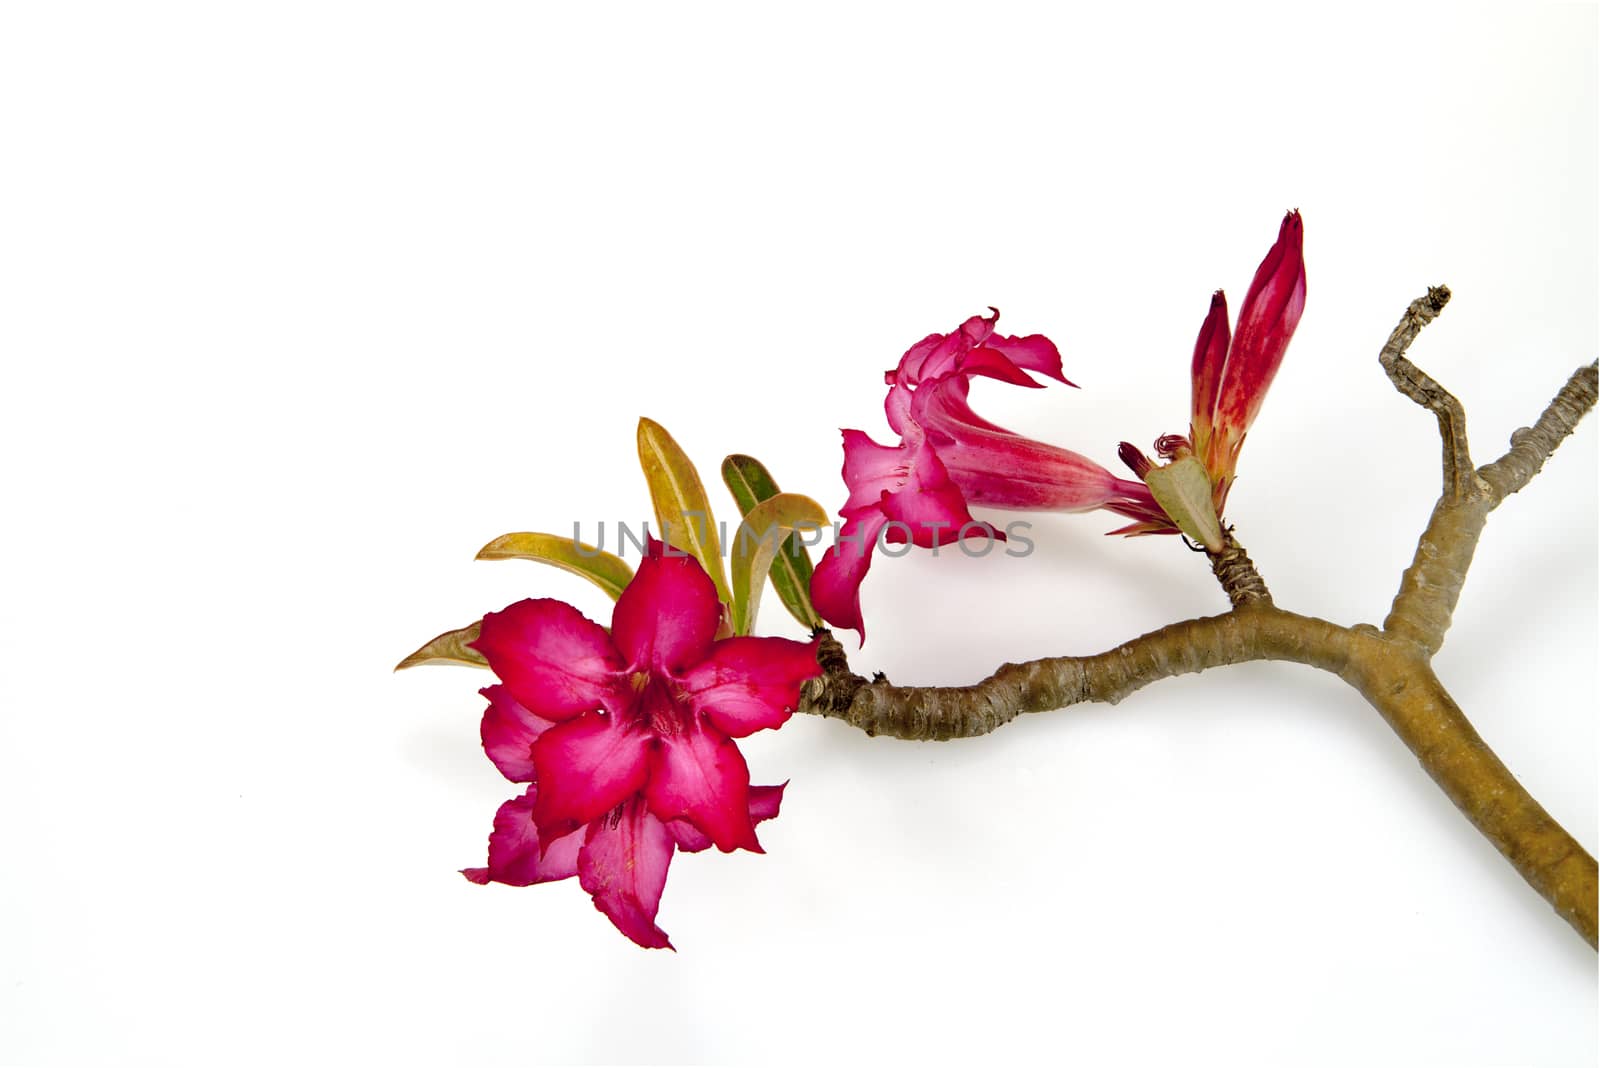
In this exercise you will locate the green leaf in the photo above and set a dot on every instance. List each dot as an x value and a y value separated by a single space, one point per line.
750 484
682 511
763 531
610 573
448 648
1183 490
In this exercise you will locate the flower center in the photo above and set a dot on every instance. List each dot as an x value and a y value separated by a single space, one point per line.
659 706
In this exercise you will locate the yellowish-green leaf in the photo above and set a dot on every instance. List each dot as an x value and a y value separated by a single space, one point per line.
448 648
1183 489
750 484
682 511
766 528
610 573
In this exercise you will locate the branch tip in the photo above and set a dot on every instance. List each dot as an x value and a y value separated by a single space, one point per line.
1460 481
1532 445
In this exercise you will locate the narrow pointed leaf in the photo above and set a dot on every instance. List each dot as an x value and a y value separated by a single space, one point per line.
750 484
767 527
682 511
1183 489
610 573
448 648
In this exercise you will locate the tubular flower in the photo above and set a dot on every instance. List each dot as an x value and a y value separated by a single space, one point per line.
627 738
949 457
1230 376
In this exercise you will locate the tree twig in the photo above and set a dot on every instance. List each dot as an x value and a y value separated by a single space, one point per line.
941 713
1412 381
1532 446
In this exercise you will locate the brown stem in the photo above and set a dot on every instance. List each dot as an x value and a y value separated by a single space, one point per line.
1392 675
1237 573
1532 446
940 713
1431 586
1413 701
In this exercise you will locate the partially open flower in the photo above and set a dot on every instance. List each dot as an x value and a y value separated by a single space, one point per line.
627 737
949 458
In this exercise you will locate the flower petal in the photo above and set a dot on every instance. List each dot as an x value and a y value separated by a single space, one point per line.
836 582
751 684
929 509
623 865
991 363
700 775
553 660
764 804
1035 352
939 354
587 767
870 469
509 731
974 348
514 854
669 613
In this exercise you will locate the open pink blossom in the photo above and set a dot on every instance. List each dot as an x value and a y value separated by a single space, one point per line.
949 458
628 738
1229 376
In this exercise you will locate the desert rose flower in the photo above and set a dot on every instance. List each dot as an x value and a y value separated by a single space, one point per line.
949 457
628 738
1229 375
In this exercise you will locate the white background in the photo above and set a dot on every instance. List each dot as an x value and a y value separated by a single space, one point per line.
302 303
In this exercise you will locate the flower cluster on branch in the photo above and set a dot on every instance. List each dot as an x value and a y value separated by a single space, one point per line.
625 738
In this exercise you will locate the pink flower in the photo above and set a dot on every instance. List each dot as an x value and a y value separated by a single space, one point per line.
627 737
1230 376
949 457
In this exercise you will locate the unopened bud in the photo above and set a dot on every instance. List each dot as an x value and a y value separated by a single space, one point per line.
1137 461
